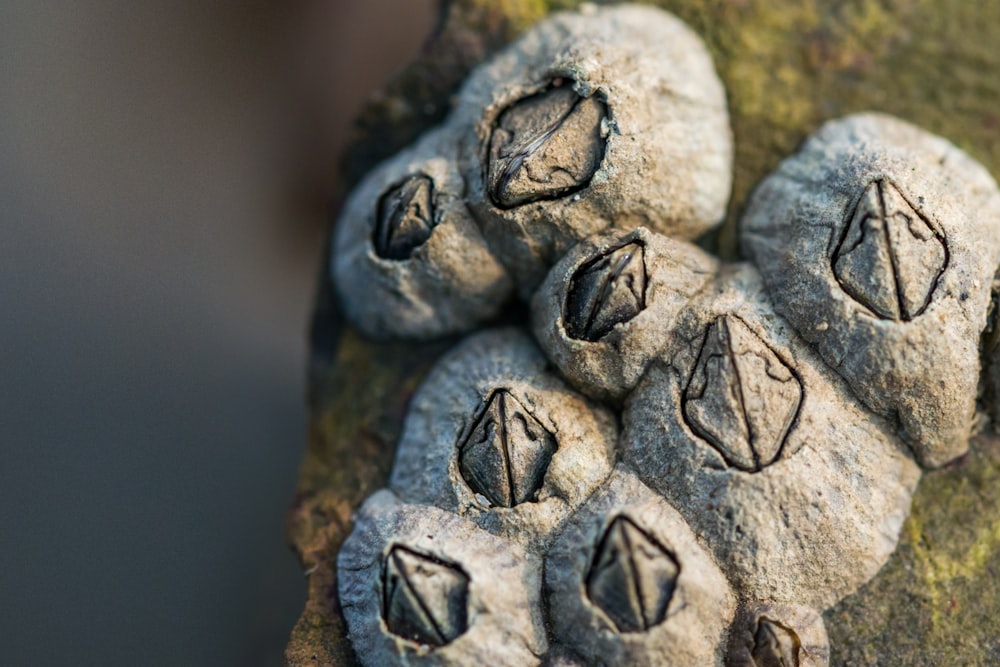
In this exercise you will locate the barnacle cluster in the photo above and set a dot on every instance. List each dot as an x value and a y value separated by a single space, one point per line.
684 461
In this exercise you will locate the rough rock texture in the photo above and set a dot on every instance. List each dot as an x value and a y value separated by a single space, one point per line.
611 116
878 242
766 635
604 311
787 67
407 259
497 437
800 494
469 597
642 590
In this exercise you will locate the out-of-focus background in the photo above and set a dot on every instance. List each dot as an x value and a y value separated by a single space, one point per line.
164 171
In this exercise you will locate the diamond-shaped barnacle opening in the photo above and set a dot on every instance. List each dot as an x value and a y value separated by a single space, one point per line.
632 577
424 599
404 218
606 291
505 454
775 645
741 397
546 145
890 257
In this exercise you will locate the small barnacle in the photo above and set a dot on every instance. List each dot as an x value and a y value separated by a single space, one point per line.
423 599
766 634
419 585
606 309
606 291
407 259
889 258
593 121
775 645
741 397
405 217
506 454
545 146
632 577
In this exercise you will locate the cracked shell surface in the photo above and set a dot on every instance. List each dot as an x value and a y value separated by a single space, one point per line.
609 367
695 613
428 274
493 421
502 613
645 139
878 242
822 511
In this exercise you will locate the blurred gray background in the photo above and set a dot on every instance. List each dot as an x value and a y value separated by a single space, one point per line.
164 172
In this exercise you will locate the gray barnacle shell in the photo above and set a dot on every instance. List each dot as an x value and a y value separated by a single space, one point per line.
611 116
799 493
627 583
407 258
605 309
494 435
421 586
878 242
775 635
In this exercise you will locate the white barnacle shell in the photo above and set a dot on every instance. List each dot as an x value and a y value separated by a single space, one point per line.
408 260
798 491
878 242
493 422
421 586
610 118
606 309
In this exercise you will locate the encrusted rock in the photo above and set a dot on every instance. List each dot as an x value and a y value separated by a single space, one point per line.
408 260
604 311
799 493
421 586
498 437
769 635
627 583
878 243
612 116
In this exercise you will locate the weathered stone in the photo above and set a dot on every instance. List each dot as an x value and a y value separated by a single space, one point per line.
609 117
606 309
407 259
627 583
878 242
496 436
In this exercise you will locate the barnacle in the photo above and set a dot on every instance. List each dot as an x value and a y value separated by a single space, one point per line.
774 414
